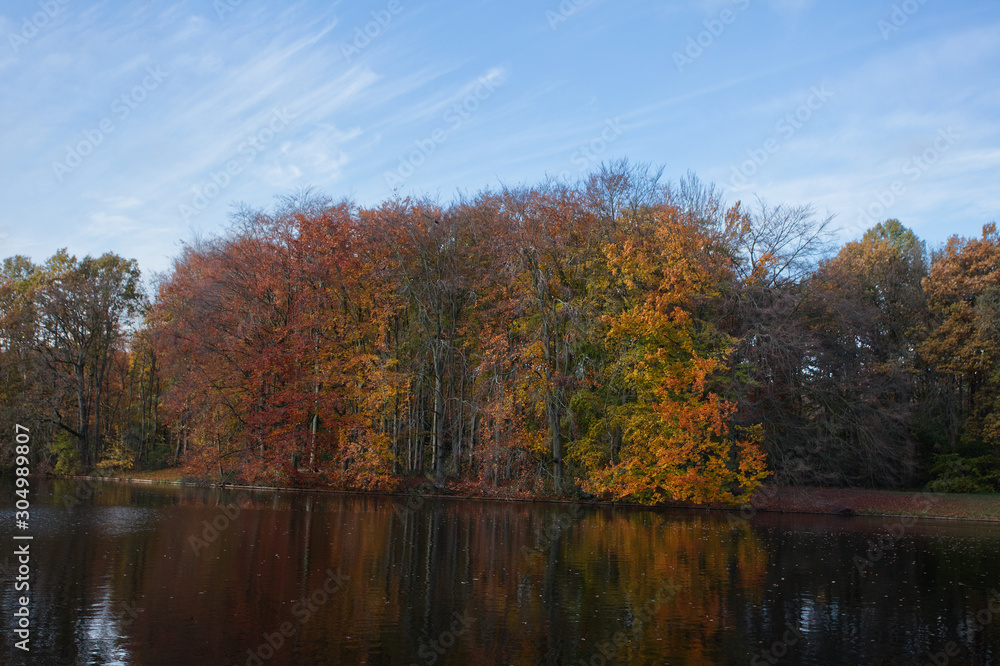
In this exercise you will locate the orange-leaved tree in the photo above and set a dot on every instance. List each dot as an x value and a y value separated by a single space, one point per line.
678 442
963 292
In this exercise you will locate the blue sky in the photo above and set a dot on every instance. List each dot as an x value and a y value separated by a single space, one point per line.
133 125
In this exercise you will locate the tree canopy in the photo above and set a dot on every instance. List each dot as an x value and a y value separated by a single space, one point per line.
625 337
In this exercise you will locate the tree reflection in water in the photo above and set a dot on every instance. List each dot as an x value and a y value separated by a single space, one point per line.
116 580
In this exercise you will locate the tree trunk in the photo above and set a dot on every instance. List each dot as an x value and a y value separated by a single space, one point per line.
552 410
438 424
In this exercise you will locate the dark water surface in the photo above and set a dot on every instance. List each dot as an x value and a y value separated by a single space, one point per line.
132 575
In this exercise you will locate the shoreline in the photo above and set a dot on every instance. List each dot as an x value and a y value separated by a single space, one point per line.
844 502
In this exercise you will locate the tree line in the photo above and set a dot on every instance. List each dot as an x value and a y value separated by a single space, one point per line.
622 337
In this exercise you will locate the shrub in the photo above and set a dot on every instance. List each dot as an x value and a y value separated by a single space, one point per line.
953 473
66 454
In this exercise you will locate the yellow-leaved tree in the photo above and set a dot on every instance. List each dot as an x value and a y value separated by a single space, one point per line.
678 442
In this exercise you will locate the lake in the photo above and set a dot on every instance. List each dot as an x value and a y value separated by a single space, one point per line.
140 574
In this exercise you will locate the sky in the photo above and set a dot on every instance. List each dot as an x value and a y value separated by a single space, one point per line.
134 126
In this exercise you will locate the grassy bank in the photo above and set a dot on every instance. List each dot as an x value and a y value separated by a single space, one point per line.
879 503
168 475
842 501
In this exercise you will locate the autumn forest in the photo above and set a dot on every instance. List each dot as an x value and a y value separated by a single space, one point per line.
622 338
